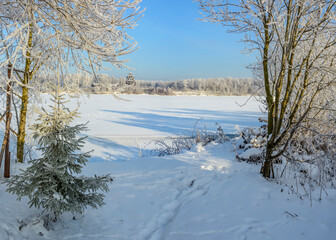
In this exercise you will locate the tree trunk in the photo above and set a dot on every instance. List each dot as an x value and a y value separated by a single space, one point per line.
24 101
22 127
267 167
7 152
5 144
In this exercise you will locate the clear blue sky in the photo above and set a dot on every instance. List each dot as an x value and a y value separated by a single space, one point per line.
174 45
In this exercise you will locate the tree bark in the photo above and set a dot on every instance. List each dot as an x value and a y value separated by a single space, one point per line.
7 153
267 167
24 101
22 127
5 143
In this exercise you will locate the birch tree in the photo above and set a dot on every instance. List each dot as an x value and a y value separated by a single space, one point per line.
295 45
82 34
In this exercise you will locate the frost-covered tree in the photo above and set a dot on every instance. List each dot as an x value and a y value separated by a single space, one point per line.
37 35
52 182
295 42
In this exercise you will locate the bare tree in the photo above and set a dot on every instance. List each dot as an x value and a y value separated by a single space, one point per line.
295 43
78 35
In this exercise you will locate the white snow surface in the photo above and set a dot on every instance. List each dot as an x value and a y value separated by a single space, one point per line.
119 130
199 194
250 153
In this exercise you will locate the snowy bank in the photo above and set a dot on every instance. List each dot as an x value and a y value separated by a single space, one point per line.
201 194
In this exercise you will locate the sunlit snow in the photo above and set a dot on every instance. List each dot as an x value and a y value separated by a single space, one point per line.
202 194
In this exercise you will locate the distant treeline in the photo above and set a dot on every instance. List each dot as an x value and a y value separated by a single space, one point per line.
211 86
103 83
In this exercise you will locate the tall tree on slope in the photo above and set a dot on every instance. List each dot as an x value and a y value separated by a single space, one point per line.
295 42
88 33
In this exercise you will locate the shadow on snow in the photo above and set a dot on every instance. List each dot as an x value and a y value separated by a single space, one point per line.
185 120
115 152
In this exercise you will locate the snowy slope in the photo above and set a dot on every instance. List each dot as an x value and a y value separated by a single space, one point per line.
200 194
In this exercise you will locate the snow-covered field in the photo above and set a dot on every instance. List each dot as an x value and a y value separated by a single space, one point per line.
199 194
118 129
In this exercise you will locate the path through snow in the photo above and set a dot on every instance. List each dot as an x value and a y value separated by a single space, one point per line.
198 195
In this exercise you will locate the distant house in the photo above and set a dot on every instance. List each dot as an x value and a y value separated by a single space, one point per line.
130 79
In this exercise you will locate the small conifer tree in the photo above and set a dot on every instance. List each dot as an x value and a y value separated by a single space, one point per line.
52 181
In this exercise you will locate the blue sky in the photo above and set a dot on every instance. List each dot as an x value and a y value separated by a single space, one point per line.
174 45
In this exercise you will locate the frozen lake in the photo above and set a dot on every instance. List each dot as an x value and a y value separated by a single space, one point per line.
118 129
